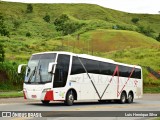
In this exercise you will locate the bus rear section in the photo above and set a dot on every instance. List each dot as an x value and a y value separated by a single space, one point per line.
103 79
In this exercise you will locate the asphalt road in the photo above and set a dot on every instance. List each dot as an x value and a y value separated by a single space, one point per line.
149 102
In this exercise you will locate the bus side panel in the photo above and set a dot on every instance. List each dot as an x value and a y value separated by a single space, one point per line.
59 93
85 90
138 88
102 83
82 84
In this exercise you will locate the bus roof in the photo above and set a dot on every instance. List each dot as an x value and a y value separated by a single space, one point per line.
59 52
95 57
90 57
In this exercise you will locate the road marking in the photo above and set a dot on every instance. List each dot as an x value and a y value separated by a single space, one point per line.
3 104
21 118
19 103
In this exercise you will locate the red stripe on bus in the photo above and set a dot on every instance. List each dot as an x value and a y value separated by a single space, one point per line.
115 70
24 95
118 82
49 95
127 80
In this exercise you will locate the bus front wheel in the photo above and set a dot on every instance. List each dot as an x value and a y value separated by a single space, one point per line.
69 98
45 102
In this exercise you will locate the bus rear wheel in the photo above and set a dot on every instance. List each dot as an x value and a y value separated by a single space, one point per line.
45 102
130 98
123 98
69 98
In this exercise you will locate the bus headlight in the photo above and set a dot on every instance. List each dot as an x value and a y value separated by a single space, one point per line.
46 89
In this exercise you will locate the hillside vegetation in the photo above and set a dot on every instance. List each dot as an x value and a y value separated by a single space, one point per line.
91 29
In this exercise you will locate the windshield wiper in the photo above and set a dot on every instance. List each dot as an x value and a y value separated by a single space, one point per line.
32 74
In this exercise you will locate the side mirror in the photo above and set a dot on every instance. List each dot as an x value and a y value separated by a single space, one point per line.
50 66
20 68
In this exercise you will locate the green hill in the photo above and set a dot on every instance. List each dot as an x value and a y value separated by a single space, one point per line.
104 32
94 15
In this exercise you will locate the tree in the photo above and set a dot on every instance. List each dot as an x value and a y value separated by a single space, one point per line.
46 18
60 21
70 27
29 8
66 25
2 53
3 28
135 20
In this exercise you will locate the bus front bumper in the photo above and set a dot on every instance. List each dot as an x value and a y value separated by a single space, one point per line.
39 95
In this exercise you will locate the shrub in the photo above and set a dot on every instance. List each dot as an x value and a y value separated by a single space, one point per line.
124 27
146 30
2 53
158 38
46 18
29 8
3 28
14 80
16 23
135 20
28 34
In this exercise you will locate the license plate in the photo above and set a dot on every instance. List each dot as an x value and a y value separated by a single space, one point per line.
34 96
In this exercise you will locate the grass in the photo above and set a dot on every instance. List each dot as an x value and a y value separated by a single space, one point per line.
158 118
151 89
11 94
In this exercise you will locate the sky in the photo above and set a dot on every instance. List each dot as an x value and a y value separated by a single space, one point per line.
131 6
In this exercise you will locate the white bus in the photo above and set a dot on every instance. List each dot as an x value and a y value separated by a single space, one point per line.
65 76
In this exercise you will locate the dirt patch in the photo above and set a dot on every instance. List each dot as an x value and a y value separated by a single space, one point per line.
100 42
3 76
150 75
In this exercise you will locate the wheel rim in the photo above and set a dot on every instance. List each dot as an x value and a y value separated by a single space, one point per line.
123 98
130 98
71 98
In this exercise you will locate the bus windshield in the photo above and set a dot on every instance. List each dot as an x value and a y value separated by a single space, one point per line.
37 68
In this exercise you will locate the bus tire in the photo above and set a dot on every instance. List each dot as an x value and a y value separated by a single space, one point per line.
130 98
45 102
123 98
69 98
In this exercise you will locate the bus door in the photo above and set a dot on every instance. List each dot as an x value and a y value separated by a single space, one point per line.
61 71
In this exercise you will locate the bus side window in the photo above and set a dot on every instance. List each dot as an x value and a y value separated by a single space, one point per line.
77 67
107 68
92 66
138 73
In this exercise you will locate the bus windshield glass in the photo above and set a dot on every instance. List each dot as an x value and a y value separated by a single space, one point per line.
37 69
